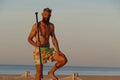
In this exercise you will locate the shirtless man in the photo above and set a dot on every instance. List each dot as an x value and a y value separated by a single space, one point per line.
47 31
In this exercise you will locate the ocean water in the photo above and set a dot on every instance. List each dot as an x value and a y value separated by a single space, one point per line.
67 70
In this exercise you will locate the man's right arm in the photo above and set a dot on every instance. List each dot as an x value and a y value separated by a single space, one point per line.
32 35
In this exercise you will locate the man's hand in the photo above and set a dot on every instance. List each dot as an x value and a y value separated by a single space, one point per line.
60 53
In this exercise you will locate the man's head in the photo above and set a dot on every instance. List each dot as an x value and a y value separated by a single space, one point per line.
46 14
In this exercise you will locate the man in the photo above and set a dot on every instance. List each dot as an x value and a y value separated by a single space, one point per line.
46 31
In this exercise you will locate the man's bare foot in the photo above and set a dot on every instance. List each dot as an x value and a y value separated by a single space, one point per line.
52 76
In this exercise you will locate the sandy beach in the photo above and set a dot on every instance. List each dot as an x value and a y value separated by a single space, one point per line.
61 77
100 77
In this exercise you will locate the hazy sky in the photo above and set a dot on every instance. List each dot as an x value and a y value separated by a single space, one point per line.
88 31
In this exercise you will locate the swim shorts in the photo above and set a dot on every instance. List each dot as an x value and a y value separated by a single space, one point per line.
47 54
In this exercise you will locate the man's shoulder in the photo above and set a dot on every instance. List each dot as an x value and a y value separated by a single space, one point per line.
35 24
34 28
51 25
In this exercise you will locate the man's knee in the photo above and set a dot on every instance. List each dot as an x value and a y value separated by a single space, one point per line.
64 60
60 58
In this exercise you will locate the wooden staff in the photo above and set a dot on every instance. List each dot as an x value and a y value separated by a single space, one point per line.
38 29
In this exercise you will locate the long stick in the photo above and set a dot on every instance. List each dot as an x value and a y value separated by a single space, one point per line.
38 29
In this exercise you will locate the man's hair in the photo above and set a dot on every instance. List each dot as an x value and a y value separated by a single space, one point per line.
47 9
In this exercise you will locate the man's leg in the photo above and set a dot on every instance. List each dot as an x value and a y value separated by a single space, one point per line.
61 61
38 72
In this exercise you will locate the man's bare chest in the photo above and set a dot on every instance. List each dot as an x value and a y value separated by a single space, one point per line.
45 30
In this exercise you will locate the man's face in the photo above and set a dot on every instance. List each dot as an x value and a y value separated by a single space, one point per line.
46 15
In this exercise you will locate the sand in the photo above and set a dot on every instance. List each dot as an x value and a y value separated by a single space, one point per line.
61 77
100 77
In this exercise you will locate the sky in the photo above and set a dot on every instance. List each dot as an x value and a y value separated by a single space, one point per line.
88 31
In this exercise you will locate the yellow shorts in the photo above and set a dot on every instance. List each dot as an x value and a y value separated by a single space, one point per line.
47 54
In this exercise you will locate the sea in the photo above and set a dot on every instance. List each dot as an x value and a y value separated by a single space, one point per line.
66 70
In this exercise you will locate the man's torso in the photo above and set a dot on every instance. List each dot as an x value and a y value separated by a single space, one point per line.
45 33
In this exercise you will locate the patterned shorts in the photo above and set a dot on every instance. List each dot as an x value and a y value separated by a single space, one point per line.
46 54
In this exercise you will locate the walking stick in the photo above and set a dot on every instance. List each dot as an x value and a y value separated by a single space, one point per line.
38 29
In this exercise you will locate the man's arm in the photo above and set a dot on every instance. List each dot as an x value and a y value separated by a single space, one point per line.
32 35
54 40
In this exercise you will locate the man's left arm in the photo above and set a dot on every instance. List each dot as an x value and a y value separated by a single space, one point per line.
54 40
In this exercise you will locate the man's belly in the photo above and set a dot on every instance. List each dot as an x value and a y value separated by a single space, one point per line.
44 41
44 44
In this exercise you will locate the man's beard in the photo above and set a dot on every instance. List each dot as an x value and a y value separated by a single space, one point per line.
46 20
